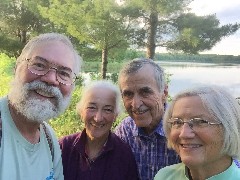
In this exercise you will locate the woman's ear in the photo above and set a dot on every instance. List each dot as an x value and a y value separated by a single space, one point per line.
166 90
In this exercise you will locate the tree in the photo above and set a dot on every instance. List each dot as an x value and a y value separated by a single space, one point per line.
98 23
199 33
166 23
154 18
18 19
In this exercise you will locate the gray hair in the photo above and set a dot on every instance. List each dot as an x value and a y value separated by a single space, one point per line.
136 64
222 106
48 37
100 84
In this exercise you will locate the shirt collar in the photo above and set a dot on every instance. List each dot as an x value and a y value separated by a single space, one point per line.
80 142
140 132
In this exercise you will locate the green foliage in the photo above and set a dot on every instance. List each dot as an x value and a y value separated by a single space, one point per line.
19 21
6 72
69 122
192 39
98 23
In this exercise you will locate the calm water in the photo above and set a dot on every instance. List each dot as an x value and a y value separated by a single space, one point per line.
185 75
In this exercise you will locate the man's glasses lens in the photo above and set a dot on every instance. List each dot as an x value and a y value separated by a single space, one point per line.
40 66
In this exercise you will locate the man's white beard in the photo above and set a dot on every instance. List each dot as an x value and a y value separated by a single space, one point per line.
34 109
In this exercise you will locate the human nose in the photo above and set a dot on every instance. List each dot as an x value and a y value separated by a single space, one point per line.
98 116
136 101
51 76
186 131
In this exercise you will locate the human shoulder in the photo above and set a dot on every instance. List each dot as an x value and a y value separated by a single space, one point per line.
69 140
126 124
119 144
232 173
176 171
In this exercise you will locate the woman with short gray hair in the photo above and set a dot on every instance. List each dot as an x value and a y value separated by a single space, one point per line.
203 126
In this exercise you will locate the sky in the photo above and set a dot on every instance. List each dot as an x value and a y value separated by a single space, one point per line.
227 11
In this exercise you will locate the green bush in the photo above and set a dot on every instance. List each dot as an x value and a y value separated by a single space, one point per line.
69 122
6 73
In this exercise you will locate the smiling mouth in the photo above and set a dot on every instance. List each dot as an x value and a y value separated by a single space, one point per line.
44 94
97 125
190 145
140 112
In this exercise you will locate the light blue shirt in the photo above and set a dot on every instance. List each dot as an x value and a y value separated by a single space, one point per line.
178 172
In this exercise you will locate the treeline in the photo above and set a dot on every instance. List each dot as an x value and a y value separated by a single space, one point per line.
103 29
202 58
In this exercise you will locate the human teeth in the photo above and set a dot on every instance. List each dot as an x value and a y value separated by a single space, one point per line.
190 145
97 126
43 93
140 112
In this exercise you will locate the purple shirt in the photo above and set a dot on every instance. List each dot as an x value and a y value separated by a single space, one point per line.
116 162
150 151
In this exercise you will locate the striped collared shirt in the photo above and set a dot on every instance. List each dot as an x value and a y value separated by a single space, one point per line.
150 151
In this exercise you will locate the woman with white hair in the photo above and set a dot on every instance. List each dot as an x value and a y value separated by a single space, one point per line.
203 126
96 153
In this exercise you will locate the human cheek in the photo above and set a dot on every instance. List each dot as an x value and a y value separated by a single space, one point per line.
156 106
66 90
173 138
127 105
110 118
24 75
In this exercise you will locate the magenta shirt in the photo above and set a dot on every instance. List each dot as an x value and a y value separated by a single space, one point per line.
116 162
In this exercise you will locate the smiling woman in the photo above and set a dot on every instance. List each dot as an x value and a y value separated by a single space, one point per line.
96 152
203 126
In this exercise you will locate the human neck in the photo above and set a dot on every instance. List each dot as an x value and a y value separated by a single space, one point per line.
94 146
151 127
206 171
29 130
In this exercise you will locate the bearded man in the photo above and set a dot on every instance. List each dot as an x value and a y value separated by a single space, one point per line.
41 89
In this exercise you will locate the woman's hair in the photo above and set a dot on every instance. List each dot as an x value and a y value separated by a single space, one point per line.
49 37
222 106
103 84
136 64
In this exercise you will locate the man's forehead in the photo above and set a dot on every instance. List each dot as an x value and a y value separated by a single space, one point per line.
135 87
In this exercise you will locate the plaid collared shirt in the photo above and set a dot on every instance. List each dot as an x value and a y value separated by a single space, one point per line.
150 151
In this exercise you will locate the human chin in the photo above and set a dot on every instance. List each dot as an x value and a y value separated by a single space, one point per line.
141 122
33 108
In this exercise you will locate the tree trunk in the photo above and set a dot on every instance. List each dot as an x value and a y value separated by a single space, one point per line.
104 63
152 29
24 36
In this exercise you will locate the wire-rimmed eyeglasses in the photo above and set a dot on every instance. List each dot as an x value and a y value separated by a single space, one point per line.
194 123
40 66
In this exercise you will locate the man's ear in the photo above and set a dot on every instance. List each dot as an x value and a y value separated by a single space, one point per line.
165 94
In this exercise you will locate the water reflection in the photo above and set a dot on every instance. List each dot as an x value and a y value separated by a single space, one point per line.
185 75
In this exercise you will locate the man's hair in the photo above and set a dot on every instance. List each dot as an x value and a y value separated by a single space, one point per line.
136 64
49 37
100 84
222 106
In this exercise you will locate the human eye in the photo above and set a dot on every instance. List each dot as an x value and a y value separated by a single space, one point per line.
176 122
108 110
38 65
199 122
127 94
145 92
64 74
91 107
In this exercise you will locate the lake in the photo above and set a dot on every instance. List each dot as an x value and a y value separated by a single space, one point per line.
185 75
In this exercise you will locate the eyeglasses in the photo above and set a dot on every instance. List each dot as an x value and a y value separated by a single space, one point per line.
194 123
41 67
